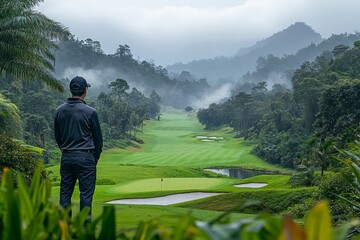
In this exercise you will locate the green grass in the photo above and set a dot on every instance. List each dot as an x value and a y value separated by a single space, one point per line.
173 152
171 184
128 216
172 142
272 201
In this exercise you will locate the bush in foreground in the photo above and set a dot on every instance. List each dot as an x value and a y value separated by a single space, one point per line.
19 158
30 213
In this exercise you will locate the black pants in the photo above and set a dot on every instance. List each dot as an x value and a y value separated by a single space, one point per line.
77 165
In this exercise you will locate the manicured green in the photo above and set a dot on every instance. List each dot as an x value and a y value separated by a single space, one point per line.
170 184
173 151
173 142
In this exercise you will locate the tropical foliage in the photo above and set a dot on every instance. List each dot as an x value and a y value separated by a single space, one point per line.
123 114
28 212
10 122
19 158
351 159
27 41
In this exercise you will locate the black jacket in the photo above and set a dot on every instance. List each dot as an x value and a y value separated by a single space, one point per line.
77 127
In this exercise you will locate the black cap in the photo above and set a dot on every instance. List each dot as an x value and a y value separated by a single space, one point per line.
78 83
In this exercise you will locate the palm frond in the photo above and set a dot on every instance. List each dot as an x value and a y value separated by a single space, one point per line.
28 72
27 41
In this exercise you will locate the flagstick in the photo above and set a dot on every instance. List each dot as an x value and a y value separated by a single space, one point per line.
161 180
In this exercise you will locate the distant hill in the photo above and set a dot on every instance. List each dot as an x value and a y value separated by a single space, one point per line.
279 69
287 41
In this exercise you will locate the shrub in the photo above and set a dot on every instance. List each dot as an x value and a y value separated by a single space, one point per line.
299 210
304 177
331 186
30 213
18 158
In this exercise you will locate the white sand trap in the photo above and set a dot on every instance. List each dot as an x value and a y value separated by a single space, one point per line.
165 200
212 138
216 137
201 137
208 140
251 185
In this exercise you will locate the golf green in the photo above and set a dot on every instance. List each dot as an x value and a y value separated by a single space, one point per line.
171 184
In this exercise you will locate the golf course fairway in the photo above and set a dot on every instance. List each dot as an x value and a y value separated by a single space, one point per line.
174 150
173 141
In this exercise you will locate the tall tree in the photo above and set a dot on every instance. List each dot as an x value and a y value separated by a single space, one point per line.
118 88
307 92
154 104
339 111
27 41
320 152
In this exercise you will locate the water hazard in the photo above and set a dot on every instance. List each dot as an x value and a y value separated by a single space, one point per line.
236 172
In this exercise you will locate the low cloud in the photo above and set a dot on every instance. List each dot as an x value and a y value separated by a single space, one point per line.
101 77
278 78
215 97
96 77
173 31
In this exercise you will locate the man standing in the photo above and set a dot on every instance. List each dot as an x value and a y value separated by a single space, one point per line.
78 135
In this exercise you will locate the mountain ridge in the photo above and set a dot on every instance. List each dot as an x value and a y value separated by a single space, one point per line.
284 42
298 28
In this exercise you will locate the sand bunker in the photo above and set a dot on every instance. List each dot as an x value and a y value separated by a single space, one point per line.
201 137
251 185
209 139
165 200
216 138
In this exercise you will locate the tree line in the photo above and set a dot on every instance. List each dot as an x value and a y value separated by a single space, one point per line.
177 90
305 127
28 111
288 124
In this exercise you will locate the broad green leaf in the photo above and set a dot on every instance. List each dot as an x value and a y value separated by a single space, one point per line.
182 227
353 156
291 231
318 223
108 229
64 231
356 170
45 190
35 188
27 208
141 231
79 223
349 202
12 215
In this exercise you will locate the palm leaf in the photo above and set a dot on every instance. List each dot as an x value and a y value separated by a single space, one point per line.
27 41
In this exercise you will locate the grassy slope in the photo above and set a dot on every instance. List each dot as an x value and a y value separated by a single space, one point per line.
170 148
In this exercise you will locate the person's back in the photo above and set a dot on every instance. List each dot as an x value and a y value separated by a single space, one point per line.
74 119
78 135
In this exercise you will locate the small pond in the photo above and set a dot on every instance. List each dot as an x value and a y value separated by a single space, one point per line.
236 172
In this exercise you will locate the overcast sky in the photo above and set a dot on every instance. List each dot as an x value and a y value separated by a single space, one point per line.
169 31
